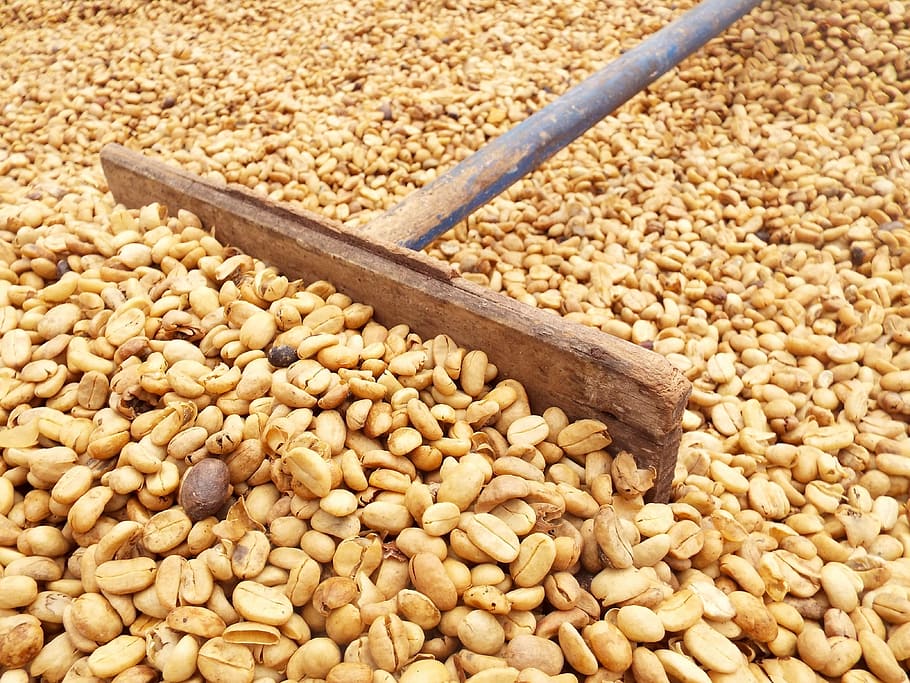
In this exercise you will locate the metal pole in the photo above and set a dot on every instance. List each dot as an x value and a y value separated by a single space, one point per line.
428 212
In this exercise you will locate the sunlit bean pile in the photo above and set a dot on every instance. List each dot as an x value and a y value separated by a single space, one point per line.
213 471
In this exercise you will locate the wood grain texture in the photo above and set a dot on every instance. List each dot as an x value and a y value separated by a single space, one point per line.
587 373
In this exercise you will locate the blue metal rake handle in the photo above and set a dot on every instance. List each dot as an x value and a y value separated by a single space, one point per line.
428 212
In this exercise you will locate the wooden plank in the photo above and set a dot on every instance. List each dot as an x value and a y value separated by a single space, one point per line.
587 373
